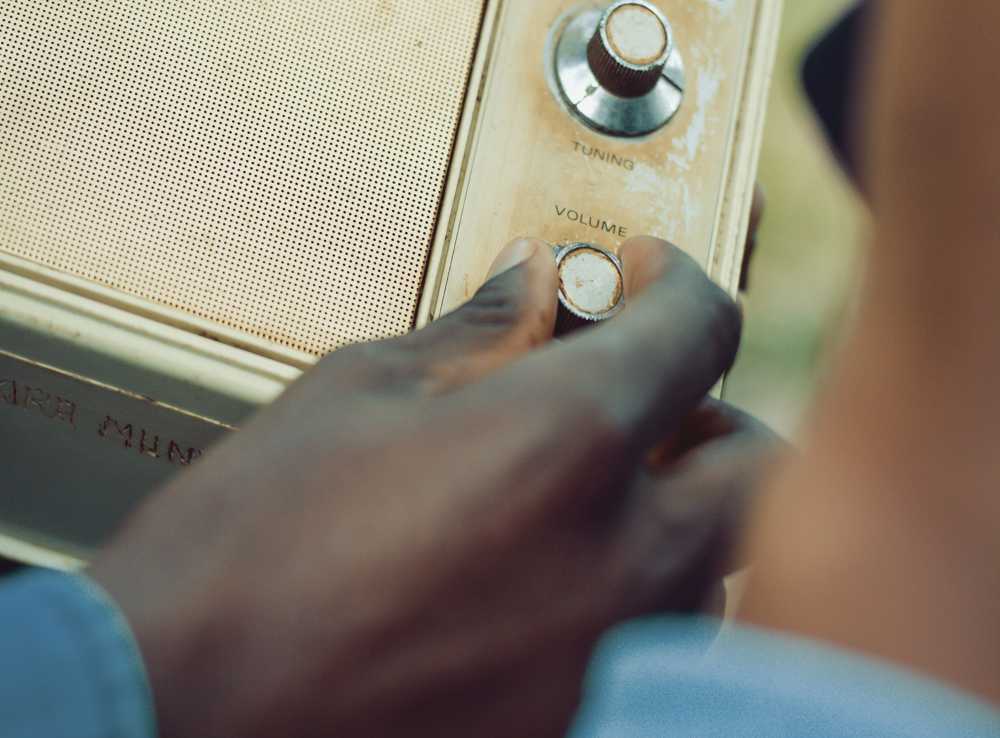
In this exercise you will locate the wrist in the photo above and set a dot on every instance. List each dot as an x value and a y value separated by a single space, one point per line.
175 638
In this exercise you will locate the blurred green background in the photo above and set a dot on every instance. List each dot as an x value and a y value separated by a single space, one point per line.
808 246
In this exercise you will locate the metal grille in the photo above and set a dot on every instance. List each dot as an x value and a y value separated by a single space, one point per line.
275 166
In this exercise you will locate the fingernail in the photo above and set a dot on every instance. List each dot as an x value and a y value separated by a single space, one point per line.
514 253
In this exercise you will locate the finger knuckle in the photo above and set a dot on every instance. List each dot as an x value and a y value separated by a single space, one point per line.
502 312
497 304
589 414
375 364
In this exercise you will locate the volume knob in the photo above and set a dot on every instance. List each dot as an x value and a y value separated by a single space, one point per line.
630 48
591 285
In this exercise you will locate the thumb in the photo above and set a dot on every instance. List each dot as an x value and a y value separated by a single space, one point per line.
512 313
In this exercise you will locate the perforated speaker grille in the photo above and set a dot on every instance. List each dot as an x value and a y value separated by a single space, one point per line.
275 166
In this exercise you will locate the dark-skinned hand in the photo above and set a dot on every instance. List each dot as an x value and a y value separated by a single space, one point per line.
425 536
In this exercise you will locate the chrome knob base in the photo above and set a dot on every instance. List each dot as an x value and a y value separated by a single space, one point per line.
619 70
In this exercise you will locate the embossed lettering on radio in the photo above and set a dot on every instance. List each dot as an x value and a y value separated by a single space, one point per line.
53 407
592 152
591 221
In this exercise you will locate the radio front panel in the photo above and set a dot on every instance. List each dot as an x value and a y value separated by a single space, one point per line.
198 200
538 168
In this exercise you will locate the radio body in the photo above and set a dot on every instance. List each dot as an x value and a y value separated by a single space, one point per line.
197 200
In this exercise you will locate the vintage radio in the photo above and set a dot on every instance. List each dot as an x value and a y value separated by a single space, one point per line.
198 199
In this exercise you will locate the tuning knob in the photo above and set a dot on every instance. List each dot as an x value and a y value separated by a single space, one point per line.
630 48
619 69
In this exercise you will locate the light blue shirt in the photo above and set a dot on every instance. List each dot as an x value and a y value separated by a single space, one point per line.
72 670
69 667
670 678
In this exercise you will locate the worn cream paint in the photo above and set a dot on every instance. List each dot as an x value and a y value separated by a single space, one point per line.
523 168
636 34
590 282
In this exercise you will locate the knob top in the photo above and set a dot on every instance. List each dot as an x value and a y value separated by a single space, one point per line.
591 284
630 47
